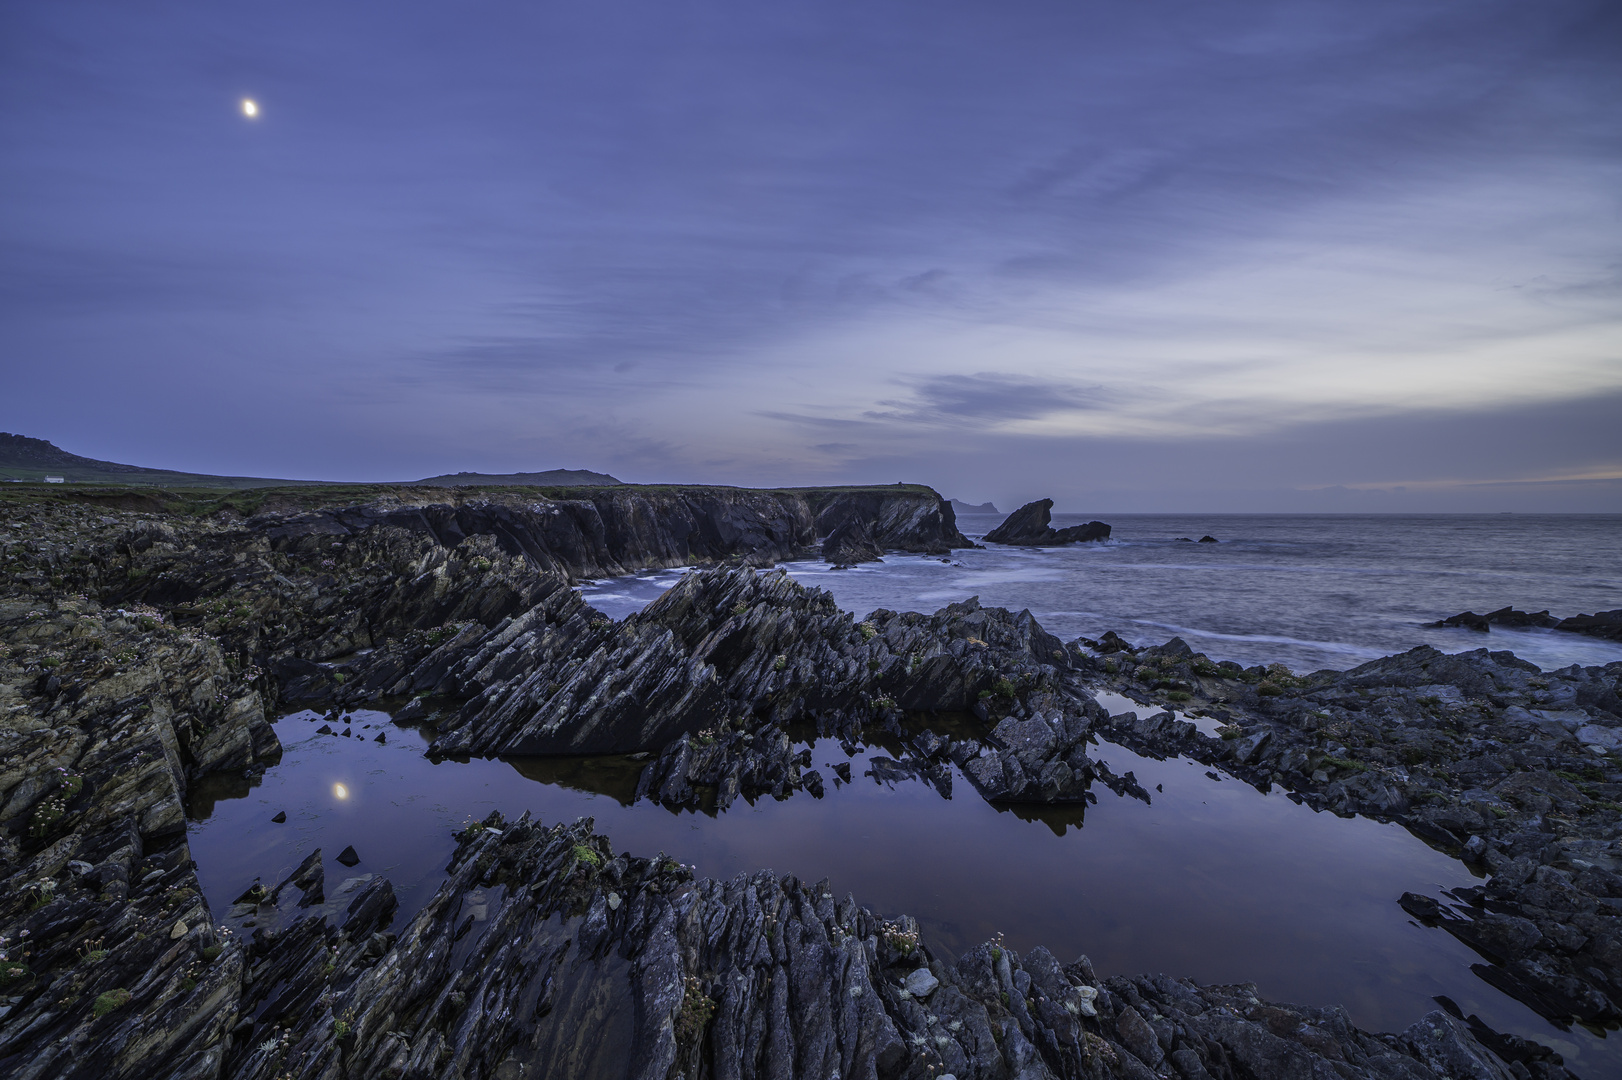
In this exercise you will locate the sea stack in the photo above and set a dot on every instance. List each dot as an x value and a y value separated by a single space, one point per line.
1029 526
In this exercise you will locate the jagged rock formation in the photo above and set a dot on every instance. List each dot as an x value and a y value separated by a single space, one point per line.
850 543
722 650
545 954
1029 526
1482 754
111 964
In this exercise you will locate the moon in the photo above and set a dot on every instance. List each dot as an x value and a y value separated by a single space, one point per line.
250 108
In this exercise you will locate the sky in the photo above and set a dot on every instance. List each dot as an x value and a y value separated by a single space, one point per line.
1158 256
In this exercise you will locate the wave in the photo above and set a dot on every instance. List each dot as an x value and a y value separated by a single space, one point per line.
1267 639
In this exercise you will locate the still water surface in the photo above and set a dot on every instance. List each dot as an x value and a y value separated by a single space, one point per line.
1212 880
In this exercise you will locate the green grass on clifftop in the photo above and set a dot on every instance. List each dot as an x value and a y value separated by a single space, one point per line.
190 500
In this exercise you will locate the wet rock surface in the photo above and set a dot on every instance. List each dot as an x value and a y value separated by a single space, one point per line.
1511 768
141 651
851 543
1604 624
1029 525
112 965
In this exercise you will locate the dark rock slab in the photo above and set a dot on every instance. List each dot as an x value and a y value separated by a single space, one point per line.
1604 624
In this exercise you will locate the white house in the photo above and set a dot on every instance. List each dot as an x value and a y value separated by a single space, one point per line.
55 480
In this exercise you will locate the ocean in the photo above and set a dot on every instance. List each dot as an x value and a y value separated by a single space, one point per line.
1311 590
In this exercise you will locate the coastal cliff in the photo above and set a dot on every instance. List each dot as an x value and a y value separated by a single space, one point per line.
575 532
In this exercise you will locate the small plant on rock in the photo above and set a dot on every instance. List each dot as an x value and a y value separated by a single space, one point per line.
106 1003
697 1008
899 938
583 854
780 662
867 630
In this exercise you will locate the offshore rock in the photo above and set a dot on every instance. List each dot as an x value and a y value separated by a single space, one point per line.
1604 624
1029 525
1507 617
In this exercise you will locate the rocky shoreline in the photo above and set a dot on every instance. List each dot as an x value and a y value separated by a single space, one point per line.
144 650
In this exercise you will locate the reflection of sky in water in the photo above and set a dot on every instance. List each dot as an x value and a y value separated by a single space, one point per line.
1213 880
1311 592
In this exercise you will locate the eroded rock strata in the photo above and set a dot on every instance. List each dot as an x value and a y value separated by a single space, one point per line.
141 650
1511 768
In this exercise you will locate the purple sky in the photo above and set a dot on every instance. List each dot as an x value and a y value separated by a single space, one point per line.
1147 256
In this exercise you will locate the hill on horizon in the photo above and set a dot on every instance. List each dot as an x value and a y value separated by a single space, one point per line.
27 459
549 478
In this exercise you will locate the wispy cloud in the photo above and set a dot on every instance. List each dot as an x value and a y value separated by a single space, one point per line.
986 398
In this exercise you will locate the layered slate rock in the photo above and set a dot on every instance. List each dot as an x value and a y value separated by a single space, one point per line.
112 965
545 954
922 525
1029 525
723 650
850 543
1483 755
